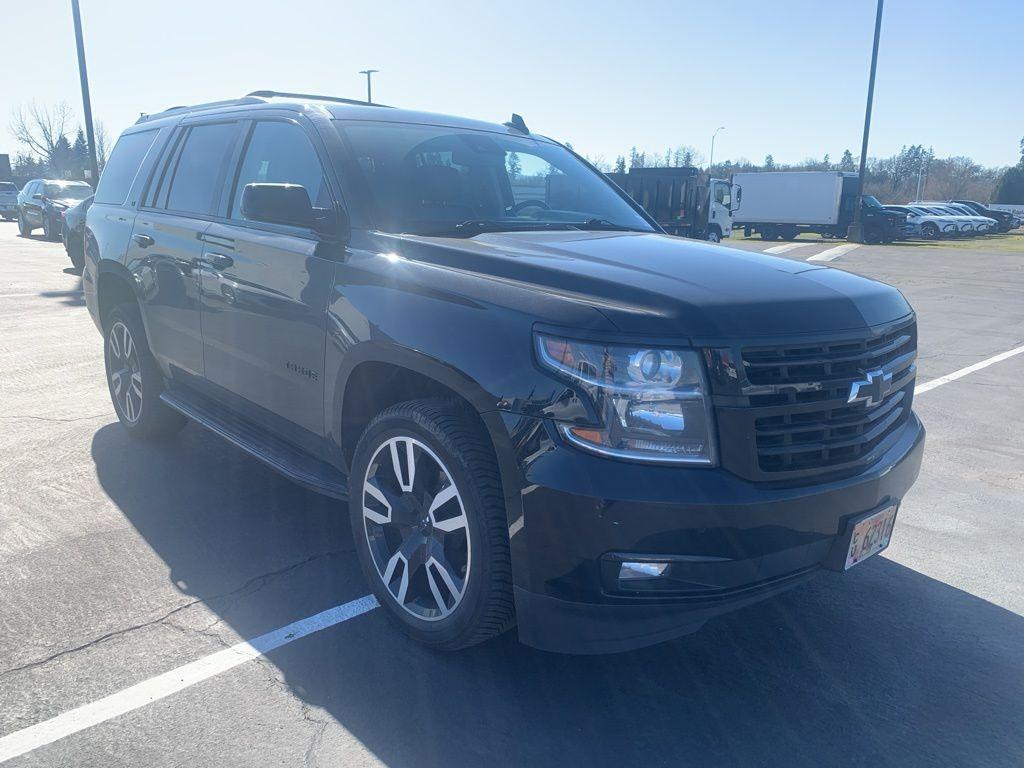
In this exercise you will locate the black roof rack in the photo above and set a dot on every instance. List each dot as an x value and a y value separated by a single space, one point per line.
316 97
256 97
198 107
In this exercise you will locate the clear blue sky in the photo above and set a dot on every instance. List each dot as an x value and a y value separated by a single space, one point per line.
786 77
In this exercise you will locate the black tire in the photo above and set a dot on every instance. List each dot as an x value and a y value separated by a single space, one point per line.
131 369
47 234
76 252
23 228
930 231
450 434
714 236
872 235
768 233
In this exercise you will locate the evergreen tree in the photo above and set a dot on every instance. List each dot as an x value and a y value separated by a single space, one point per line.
769 163
846 163
515 167
80 154
620 164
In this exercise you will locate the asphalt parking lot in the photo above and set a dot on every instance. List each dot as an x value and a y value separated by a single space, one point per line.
121 561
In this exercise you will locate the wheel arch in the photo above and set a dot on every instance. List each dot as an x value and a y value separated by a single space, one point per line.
114 285
373 377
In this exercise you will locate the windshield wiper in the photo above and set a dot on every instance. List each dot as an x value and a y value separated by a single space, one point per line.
606 225
472 227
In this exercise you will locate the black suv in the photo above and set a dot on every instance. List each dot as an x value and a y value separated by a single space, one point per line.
42 202
1005 218
541 409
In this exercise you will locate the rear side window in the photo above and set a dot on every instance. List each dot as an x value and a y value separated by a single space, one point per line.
195 185
122 167
281 153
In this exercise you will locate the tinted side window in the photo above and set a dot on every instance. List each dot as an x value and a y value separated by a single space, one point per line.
122 167
196 179
281 153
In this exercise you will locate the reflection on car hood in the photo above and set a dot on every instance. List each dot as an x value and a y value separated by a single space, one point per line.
657 284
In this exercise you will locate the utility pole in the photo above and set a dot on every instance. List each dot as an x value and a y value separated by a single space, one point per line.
711 160
83 76
369 86
856 232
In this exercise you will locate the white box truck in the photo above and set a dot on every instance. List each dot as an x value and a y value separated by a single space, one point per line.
782 204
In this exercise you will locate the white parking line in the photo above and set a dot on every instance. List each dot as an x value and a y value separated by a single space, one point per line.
139 695
833 253
928 385
787 247
162 686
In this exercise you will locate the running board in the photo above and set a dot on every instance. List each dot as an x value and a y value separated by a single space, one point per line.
282 456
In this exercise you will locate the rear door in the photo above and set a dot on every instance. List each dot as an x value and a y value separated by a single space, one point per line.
165 247
265 289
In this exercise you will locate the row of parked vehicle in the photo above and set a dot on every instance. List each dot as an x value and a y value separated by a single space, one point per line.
56 206
933 220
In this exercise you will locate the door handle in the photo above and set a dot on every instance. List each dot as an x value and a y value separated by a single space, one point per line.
218 261
143 241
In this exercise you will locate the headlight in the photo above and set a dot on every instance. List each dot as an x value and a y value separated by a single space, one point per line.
653 403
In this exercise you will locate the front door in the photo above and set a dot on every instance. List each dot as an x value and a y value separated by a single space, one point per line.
721 206
265 292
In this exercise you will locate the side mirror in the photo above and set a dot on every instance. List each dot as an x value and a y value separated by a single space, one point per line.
277 204
289 204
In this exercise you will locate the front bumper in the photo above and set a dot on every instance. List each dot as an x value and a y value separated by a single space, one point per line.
735 542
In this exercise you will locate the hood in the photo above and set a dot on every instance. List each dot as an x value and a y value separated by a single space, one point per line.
66 202
668 286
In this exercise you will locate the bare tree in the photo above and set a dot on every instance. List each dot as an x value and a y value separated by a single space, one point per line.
41 130
102 145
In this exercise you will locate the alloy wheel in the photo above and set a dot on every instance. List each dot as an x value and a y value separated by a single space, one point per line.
125 372
416 528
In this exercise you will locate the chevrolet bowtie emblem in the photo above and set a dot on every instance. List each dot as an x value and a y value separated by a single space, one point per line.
872 389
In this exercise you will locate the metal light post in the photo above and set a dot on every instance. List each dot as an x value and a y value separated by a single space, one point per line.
86 102
369 86
856 232
711 161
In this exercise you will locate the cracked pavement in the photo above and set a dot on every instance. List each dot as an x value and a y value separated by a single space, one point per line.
121 560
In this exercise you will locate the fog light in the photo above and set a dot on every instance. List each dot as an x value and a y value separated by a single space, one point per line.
630 571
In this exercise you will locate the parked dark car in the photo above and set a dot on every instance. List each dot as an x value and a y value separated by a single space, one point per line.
541 409
72 232
1004 218
8 200
42 202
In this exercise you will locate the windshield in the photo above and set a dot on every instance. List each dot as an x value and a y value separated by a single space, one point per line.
871 202
428 179
7 186
67 191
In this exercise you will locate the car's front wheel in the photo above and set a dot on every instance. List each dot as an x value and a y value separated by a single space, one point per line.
133 377
23 227
429 523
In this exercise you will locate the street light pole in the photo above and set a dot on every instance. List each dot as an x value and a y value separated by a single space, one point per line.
856 232
711 160
83 76
369 87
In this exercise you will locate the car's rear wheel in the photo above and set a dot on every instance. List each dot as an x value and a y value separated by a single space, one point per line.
23 228
428 517
133 377
76 252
